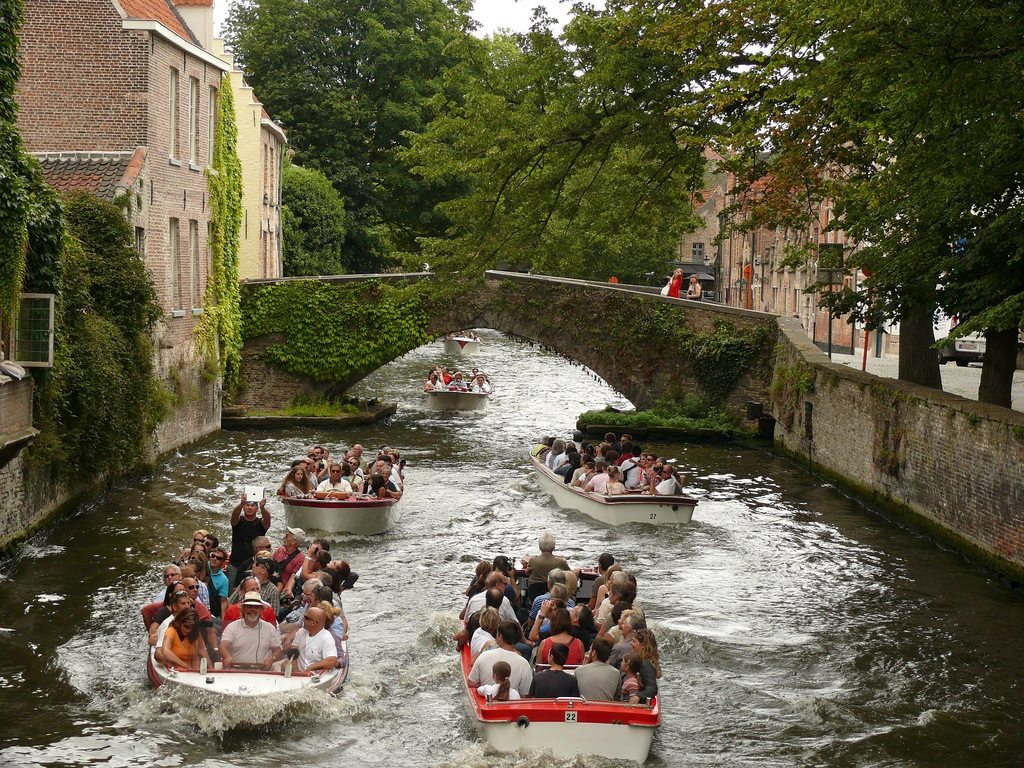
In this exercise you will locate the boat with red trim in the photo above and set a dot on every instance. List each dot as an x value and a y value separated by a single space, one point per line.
567 726
245 683
629 507
459 344
363 515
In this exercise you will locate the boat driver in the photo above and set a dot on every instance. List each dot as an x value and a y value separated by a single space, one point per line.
251 642
335 486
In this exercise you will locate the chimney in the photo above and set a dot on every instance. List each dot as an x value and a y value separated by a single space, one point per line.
198 14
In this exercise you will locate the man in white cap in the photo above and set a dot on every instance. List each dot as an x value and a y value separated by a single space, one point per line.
251 642
289 557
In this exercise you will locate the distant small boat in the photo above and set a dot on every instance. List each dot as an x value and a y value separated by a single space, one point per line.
249 684
461 345
616 510
363 515
446 400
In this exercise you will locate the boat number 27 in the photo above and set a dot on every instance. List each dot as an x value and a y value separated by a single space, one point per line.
570 717
654 515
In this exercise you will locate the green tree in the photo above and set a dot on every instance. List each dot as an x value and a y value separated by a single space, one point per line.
581 151
313 223
350 81
100 404
905 113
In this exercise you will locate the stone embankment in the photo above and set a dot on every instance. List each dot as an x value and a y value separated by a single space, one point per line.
951 465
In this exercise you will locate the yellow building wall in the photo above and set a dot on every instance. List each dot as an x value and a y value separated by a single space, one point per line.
260 145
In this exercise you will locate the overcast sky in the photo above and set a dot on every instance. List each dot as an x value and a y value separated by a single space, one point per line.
492 14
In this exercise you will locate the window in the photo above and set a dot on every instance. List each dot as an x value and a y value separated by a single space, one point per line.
172 112
211 127
193 120
173 263
698 252
194 265
140 242
31 342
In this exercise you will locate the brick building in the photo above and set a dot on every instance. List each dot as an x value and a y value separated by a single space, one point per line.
746 269
119 97
261 146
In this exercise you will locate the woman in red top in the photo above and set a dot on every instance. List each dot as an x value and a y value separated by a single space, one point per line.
675 284
561 632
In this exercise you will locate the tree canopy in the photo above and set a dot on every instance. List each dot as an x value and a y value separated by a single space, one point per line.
351 81
313 221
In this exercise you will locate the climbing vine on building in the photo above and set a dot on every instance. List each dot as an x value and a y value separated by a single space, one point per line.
218 334
332 332
15 171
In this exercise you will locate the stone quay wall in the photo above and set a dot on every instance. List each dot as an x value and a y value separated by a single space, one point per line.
945 463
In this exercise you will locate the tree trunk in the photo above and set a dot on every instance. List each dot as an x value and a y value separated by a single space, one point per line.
919 363
1000 363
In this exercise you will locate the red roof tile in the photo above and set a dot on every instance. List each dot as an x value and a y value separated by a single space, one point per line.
103 174
158 10
207 3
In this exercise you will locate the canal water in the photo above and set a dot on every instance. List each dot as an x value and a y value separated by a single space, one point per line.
796 628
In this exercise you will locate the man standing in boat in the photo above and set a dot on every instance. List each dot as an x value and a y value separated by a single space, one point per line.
251 642
246 525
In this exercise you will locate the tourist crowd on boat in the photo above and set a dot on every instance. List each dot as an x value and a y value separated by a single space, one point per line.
541 643
257 606
462 335
440 379
322 477
616 465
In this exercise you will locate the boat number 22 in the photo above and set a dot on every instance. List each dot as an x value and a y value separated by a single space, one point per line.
570 717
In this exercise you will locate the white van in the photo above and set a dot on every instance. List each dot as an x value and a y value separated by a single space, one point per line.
963 351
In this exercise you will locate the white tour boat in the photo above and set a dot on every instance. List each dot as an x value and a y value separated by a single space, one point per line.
364 515
461 345
624 508
566 726
245 683
448 400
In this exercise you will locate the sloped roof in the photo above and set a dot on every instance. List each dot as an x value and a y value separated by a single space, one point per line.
159 10
103 174
207 3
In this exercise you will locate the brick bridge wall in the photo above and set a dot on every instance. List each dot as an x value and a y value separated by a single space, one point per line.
955 465
579 319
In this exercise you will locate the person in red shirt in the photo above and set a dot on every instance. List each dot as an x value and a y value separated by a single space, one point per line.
234 612
676 284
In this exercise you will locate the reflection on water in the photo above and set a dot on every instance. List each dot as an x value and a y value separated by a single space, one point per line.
795 629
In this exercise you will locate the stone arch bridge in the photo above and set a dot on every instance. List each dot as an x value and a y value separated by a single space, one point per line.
310 335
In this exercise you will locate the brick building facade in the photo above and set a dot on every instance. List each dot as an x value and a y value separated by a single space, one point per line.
128 81
745 269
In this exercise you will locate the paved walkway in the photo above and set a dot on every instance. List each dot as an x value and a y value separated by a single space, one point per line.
958 381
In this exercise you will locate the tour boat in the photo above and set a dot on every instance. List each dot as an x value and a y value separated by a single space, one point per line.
461 345
245 683
631 507
566 726
445 400
364 515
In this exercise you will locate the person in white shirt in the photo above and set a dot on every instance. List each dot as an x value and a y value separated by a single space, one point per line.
521 676
315 644
501 689
668 484
335 486
483 638
480 384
